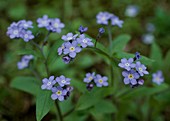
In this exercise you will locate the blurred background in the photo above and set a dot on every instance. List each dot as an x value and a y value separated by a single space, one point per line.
147 21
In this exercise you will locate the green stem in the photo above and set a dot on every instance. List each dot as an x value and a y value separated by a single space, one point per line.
60 118
110 37
35 73
70 111
46 38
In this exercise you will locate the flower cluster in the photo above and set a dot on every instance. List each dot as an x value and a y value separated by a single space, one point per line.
97 79
158 77
52 25
59 86
24 63
73 44
106 17
133 71
20 30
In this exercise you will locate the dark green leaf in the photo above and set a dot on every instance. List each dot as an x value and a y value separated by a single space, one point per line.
43 104
120 42
27 84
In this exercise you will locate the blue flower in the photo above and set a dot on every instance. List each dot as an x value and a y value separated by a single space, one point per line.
72 49
55 25
150 27
43 22
101 81
62 80
58 93
116 21
14 31
148 38
82 29
89 77
25 24
137 56
132 11
60 49
158 77
89 86
27 35
130 77
84 42
101 30
141 68
24 63
66 59
103 17
69 37
48 83
127 64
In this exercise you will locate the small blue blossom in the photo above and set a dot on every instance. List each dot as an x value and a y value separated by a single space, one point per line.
141 68
60 49
66 59
69 37
48 83
103 18
130 77
43 22
72 49
127 64
116 21
89 86
101 30
150 27
24 63
101 81
148 38
137 56
158 77
132 11
82 29
27 57
84 41
14 31
55 25
89 77
25 24
62 81
140 82
27 35
58 93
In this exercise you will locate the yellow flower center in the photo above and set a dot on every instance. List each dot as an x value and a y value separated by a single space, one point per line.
58 92
90 78
72 49
103 18
100 81
56 25
130 76
140 69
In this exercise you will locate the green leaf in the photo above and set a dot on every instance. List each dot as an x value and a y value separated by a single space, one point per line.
53 52
120 42
143 91
86 101
105 106
89 99
43 104
143 59
27 84
156 55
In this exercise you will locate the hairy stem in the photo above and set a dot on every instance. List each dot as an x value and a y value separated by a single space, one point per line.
110 37
59 115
